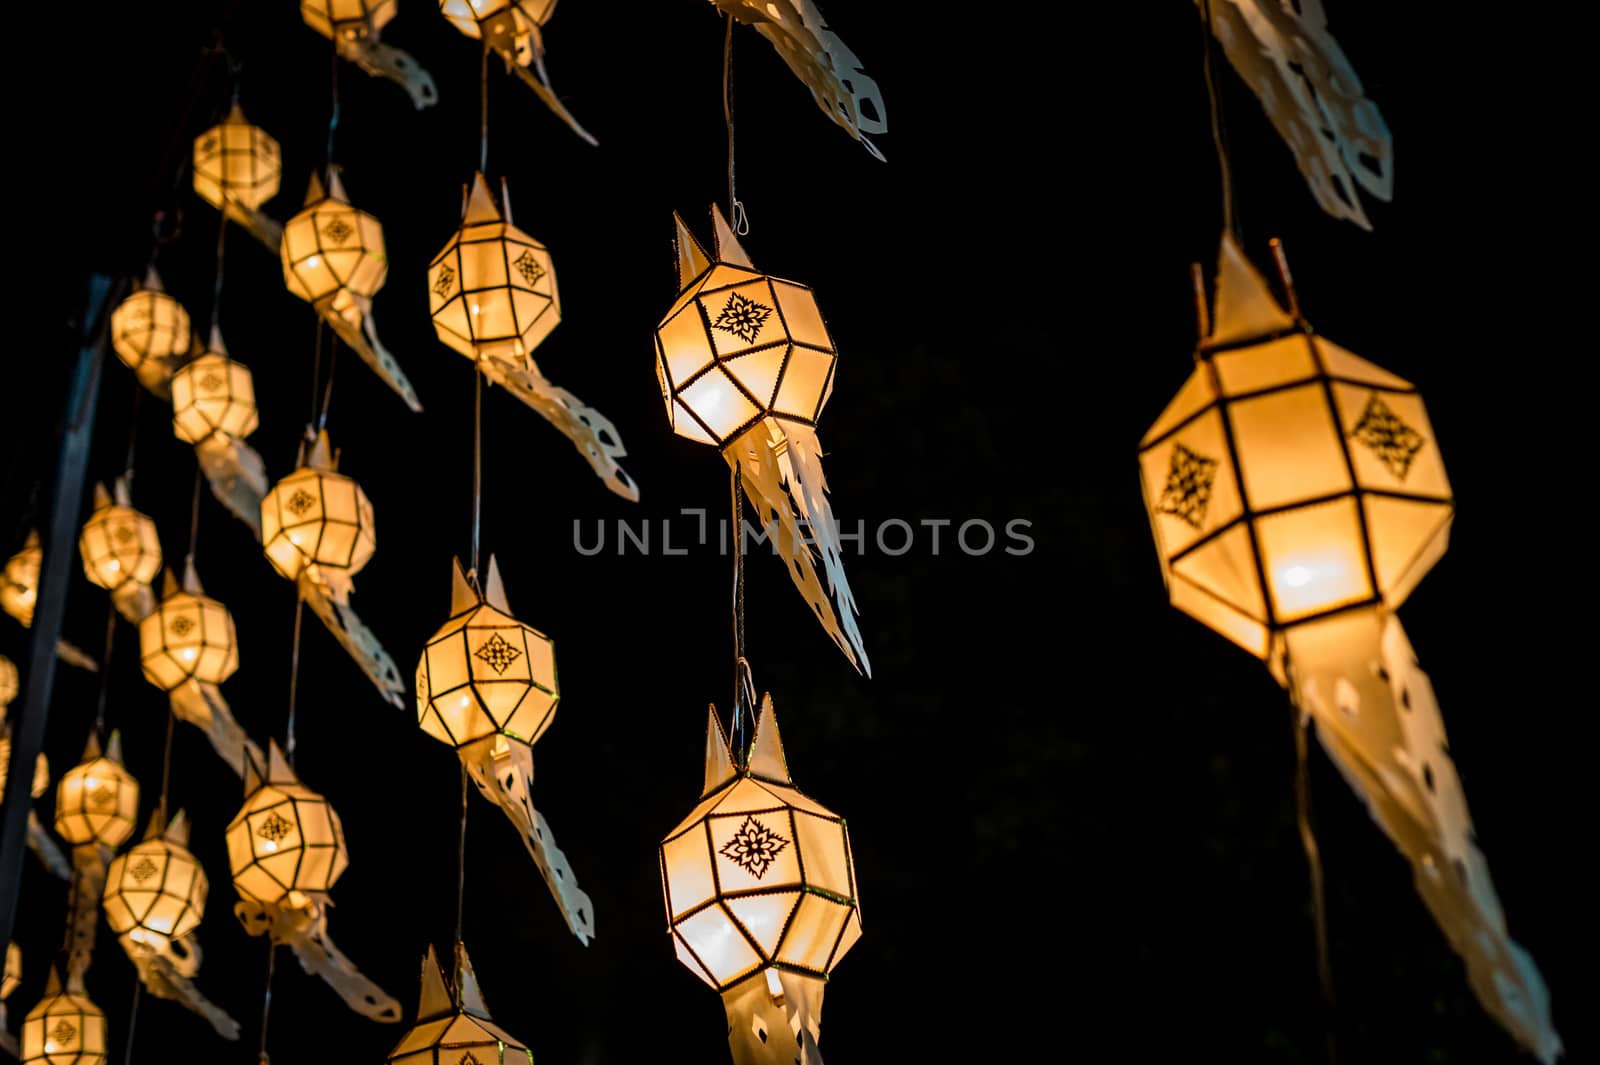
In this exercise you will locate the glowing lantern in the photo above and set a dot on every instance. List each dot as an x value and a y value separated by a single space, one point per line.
1297 496
121 551
512 29
347 18
213 396
97 799
287 838
151 333
318 518
745 364
760 894
450 1030
156 891
236 169
65 1028
19 583
353 26
189 636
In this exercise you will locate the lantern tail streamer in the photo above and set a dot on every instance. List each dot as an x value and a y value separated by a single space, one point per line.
167 967
89 861
304 930
505 777
539 81
821 61
237 474
590 431
330 600
775 1025
202 705
353 322
45 849
76 656
781 467
1313 97
382 61
1378 720
133 601
258 224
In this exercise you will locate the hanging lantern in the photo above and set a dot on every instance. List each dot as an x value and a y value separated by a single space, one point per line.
121 551
237 169
19 583
286 849
486 685
352 19
1297 496
65 1028
353 26
746 364
97 799
760 894
40 841
333 258
512 29
10 683
190 636
449 1030
318 518
213 396
493 297
156 891
151 333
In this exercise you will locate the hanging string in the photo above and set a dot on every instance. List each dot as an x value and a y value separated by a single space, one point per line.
477 471
333 364
294 679
737 218
133 1020
216 291
316 371
461 884
1219 133
133 434
483 113
266 1000
333 109
1308 842
736 730
194 514
105 671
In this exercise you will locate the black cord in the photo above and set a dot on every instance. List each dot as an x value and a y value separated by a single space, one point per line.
483 113
477 472
736 730
194 513
461 885
1219 135
333 365
737 219
1308 842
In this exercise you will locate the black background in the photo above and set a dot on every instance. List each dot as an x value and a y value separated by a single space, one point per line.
1071 806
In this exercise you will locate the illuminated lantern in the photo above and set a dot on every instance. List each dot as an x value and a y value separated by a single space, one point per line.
237 168
347 18
151 333
156 891
760 893
65 1028
39 839
353 26
451 1030
486 685
97 799
189 636
318 519
746 364
19 582
213 396
512 29
121 551
1297 495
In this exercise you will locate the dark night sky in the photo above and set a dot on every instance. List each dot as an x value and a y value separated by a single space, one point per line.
1071 806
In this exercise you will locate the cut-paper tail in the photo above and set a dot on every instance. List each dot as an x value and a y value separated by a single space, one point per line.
775 1018
45 849
539 81
351 318
134 600
780 465
259 224
503 771
203 706
590 431
167 968
301 924
89 861
330 600
1357 677
238 477
382 61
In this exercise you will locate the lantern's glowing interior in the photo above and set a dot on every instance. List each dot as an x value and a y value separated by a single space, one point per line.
19 584
236 162
315 517
286 839
96 802
188 636
119 546
157 889
213 395
331 248
499 16
64 1029
149 325
350 19
451 1029
13 971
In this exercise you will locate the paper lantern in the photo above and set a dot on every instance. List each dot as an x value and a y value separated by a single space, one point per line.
347 18
213 396
513 21
484 672
235 162
451 1031
13 972
190 636
97 799
317 518
331 250
19 582
492 290
65 1028
760 891
10 683
157 890
150 327
119 545
287 839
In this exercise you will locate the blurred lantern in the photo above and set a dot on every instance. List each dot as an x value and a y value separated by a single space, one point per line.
156 891
333 257
65 1028
511 28
39 839
452 1029
19 583
213 396
318 519
1297 496
13 972
97 799
236 169
286 849
151 334
9 682
486 685
493 298
190 636
760 895
745 364
353 26
121 551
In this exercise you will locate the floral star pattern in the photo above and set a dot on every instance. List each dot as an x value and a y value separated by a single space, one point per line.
181 625
754 847
122 533
1188 490
498 653
211 381
63 1033
743 317
444 282
337 230
1383 432
529 267
144 869
102 797
300 502
274 828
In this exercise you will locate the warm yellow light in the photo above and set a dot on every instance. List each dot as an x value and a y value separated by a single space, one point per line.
351 19
332 251
118 544
150 326
286 843
157 890
189 636
97 800
317 517
66 1028
236 162
19 581
213 395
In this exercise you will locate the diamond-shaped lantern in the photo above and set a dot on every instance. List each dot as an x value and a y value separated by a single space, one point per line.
332 250
316 517
97 799
119 545
1289 480
492 290
19 581
65 1028
286 838
190 636
213 395
347 19
455 1030
157 890
235 162
484 672
150 327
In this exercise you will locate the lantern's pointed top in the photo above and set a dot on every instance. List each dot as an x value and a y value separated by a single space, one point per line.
32 541
169 583
191 578
494 590
114 746
216 346
766 750
481 208
254 775
692 258
729 250
177 830
121 493
719 758
462 595
322 456
91 749
52 984
315 193
278 769
102 498
471 999
236 115
435 1000
152 280
1243 305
